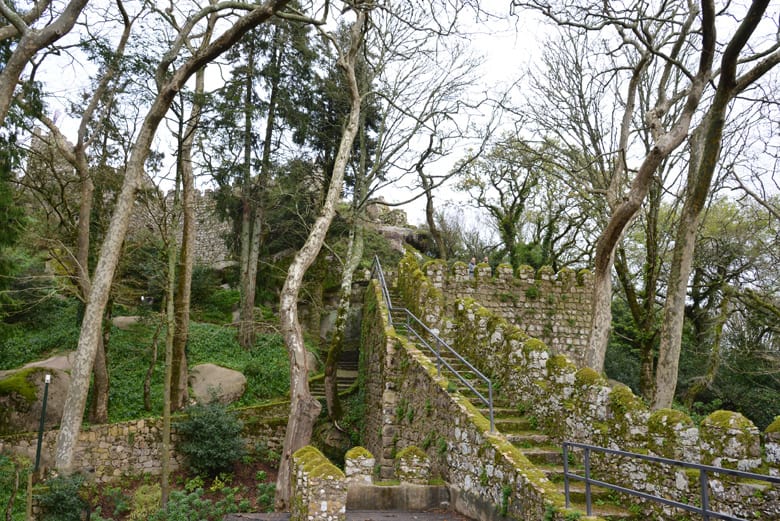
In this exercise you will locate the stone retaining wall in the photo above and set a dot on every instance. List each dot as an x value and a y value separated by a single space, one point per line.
578 405
107 452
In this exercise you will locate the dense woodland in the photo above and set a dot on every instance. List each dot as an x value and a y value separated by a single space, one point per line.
641 142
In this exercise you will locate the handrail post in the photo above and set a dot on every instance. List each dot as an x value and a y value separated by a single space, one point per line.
705 494
566 473
438 356
588 506
490 406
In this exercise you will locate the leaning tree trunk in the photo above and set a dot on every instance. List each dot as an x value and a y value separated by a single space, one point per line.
304 408
91 326
354 254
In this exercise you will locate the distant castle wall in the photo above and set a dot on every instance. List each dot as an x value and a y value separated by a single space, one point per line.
210 232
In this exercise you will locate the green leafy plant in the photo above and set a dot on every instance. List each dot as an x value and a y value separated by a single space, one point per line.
61 499
211 440
506 493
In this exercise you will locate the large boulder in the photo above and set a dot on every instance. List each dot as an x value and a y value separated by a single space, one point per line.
209 381
21 398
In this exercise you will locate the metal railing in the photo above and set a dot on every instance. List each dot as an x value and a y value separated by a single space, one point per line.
704 473
423 333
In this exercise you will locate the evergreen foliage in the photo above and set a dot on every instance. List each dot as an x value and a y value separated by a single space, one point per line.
211 438
61 499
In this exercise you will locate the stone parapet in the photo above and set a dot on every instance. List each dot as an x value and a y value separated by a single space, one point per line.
319 488
553 307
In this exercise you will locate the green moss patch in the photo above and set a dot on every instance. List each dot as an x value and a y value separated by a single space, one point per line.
19 384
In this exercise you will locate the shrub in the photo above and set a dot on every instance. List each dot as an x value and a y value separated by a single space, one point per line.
60 500
211 438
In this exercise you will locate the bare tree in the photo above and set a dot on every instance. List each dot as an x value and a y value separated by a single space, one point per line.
90 128
705 147
28 39
169 82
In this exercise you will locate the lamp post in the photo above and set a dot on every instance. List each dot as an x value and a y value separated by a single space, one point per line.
46 382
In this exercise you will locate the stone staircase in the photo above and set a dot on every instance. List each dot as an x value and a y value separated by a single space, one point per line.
346 375
520 429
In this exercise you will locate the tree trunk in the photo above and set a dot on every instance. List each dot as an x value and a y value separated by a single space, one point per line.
109 253
249 231
150 369
354 255
713 361
304 408
186 254
705 153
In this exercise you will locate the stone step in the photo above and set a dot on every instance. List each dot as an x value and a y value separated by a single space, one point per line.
527 439
543 455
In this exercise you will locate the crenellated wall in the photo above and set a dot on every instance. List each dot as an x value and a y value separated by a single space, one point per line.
553 307
578 405
210 232
489 478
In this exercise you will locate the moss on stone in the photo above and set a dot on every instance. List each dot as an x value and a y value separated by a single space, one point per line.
358 452
583 276
560 363
19 383
315 464
435 263
728 420
545 270
774 426
534 344
412 451
624 401
587 376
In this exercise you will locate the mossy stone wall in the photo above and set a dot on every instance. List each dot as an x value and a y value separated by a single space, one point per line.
489 478
107 452
579 405
553 307
319 488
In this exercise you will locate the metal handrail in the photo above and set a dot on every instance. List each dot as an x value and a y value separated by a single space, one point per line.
378 273
704 509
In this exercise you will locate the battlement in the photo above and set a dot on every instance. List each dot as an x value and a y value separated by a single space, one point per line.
578 405
553 307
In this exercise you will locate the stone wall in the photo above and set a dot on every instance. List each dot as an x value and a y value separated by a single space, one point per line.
489 478
319 488
578 405
210 232
107 452
553 307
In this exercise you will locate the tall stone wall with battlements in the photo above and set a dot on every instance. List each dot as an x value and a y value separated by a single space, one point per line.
571 404
552 307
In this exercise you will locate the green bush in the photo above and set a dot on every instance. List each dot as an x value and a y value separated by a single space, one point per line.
61 500
211 438
217 307
185 506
